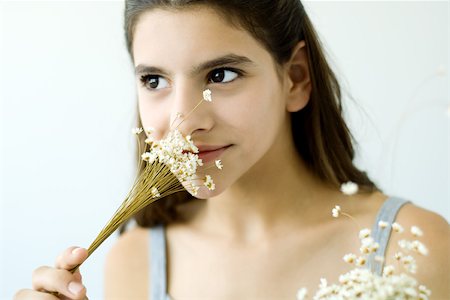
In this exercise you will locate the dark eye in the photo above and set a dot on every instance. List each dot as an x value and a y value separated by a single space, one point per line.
223 75
153 82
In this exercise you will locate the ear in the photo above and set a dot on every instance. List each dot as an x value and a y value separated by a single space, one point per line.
298 84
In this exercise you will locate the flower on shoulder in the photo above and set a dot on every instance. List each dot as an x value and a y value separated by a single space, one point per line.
336 211
349 188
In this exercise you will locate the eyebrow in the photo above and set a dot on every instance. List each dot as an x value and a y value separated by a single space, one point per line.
230 59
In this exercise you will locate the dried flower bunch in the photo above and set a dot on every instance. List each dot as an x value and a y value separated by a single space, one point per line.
362 283
171 166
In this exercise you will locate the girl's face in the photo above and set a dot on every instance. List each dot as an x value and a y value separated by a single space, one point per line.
177 55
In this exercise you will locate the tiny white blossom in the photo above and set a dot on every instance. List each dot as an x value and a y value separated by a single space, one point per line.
208 182
349 258
155 192
383 224
149 130
416 231
302 294
361 261
388 270
397 227
364 233
336 211
423 290
419 247
145 156
219 164
136 131
349 188
323 283
398 255
149 140
207 95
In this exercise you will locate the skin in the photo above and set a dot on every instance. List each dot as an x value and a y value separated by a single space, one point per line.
257 236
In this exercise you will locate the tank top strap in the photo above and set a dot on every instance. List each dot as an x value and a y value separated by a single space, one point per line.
158 284
387 213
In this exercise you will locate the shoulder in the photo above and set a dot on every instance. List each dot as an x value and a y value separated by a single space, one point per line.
127 266
433 269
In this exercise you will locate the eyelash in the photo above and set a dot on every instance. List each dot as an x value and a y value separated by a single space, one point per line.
144 78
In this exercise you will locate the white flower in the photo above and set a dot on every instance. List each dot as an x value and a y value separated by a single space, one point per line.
149 140
149 157
149 130
136 130
207 95
208 182
302 294
397 227
336 211
364 233
219 164
155 192
323 283
416 231
383 224
349 258
349 188
419 247
423 290
361 261
398 256
388 270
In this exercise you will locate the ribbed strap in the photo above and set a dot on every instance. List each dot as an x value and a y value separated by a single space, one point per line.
158 263
387 213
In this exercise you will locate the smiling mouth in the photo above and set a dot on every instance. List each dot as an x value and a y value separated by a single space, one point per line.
211 153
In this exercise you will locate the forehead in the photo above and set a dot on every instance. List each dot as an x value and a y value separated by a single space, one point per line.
190 35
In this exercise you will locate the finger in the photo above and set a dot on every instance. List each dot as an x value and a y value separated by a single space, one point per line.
57 280
27 294
70 258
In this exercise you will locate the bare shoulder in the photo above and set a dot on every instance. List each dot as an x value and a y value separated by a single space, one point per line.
433 269
127 266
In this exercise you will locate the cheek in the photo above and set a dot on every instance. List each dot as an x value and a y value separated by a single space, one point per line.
155 116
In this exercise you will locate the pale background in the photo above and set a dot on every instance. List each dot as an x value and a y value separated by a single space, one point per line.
68 104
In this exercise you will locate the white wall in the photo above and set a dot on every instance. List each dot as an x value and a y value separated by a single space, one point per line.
67 107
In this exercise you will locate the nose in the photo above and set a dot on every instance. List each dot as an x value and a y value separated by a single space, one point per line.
190 113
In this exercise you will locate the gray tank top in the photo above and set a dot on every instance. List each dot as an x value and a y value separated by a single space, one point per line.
158 284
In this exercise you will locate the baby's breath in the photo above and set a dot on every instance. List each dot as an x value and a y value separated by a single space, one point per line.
136 131
349 188
416 231
336 211
219 164
383 224
149 130
363 283
207 95
397 227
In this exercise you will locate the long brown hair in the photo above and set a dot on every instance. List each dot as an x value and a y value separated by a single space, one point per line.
320 133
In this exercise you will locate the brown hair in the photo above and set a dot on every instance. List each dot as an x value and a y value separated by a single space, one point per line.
320 133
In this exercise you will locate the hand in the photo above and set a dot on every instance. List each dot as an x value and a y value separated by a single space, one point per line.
58 282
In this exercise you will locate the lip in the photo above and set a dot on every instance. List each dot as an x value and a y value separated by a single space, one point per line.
211 153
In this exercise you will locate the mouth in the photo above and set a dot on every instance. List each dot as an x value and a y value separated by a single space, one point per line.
211 153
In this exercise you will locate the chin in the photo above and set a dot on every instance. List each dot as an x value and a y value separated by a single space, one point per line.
204 193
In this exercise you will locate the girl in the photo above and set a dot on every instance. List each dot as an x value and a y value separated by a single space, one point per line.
276 123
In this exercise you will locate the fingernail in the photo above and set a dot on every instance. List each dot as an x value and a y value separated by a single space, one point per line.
76 250
75 287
